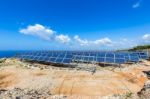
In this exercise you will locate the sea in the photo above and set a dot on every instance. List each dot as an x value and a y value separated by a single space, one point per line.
9 54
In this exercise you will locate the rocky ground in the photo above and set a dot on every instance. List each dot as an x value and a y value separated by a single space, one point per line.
25 80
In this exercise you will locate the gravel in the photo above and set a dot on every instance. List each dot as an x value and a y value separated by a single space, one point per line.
18 93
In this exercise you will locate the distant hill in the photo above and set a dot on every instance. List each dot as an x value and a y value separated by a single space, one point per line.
140 47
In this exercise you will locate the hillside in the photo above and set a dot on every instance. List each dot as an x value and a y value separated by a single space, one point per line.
26 80
140 47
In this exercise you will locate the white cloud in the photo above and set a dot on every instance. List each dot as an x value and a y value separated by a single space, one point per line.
137 4
39 31
80 41
63 38
125 43
103 41
84 42
50 35
125 40
146 37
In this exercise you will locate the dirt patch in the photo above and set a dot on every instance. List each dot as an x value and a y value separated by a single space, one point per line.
4 75
102 83
39 74
75 83
7 79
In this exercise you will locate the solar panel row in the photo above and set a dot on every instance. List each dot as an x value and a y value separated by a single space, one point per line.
100 57
66 57
52 57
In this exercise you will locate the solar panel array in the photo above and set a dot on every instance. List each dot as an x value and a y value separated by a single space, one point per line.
66 57
53 57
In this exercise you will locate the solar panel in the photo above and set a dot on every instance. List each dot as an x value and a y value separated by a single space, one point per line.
120 61
86 59
36 58
38 54
40 59
92 54
87 54
91 59
52 59
49 54
100 59
111 55
66 57
101 55
134 57
78 57
61 55
45 59
59 60
143 55
66 61
25 57
54 55
127 57
119 56
31 57
109 60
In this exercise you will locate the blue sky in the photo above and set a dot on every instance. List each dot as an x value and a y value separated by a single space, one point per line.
73 24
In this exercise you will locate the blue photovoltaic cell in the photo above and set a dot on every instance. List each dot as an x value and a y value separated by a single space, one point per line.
78 57
134 57
59 60
40 59
92 54
143 55
69 52
100 55
119 56
45 59
52 59
100 59
68 56
91 58
110 55
86 59
61 56
25 57
49 55
44 54
38 54
36 58
109 60
20 56
127 57
80 53
120 61
30 58
66 61
86 54
54 55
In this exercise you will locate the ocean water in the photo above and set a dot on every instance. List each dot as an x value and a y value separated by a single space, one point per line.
8 54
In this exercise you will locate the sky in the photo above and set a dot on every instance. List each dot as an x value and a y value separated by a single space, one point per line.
74 24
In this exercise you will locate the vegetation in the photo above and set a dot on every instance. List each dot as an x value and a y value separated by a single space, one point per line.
141 47
128 95
2 60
